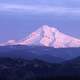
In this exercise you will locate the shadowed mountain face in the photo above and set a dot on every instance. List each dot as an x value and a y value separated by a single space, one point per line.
29 53
52 55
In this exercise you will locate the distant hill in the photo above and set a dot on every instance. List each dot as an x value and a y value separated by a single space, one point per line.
70 68
48 54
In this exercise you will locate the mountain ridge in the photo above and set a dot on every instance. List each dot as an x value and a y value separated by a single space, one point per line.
49 37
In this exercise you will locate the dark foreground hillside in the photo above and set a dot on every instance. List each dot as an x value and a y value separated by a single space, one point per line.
20 69
39 63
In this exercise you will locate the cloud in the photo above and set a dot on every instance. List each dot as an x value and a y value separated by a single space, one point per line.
40 9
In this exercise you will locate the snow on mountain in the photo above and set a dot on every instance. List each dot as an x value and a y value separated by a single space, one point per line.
9 42
49 37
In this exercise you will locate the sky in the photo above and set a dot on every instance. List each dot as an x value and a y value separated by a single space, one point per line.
18 18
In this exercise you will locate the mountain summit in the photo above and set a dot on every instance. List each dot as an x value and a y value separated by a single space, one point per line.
42 36
49 37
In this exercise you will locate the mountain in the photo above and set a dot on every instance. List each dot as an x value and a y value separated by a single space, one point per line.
9 42
49 37
48 54
69 68
30 53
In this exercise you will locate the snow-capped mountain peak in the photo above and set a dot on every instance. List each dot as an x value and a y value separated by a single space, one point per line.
49 37
42 36
49 29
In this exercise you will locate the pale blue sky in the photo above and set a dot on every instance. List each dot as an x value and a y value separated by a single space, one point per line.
20 17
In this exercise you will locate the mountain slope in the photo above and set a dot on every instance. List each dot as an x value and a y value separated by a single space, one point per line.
49 37
29 53
42 53
69 68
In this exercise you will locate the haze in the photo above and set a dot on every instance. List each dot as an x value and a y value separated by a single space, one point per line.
19 17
